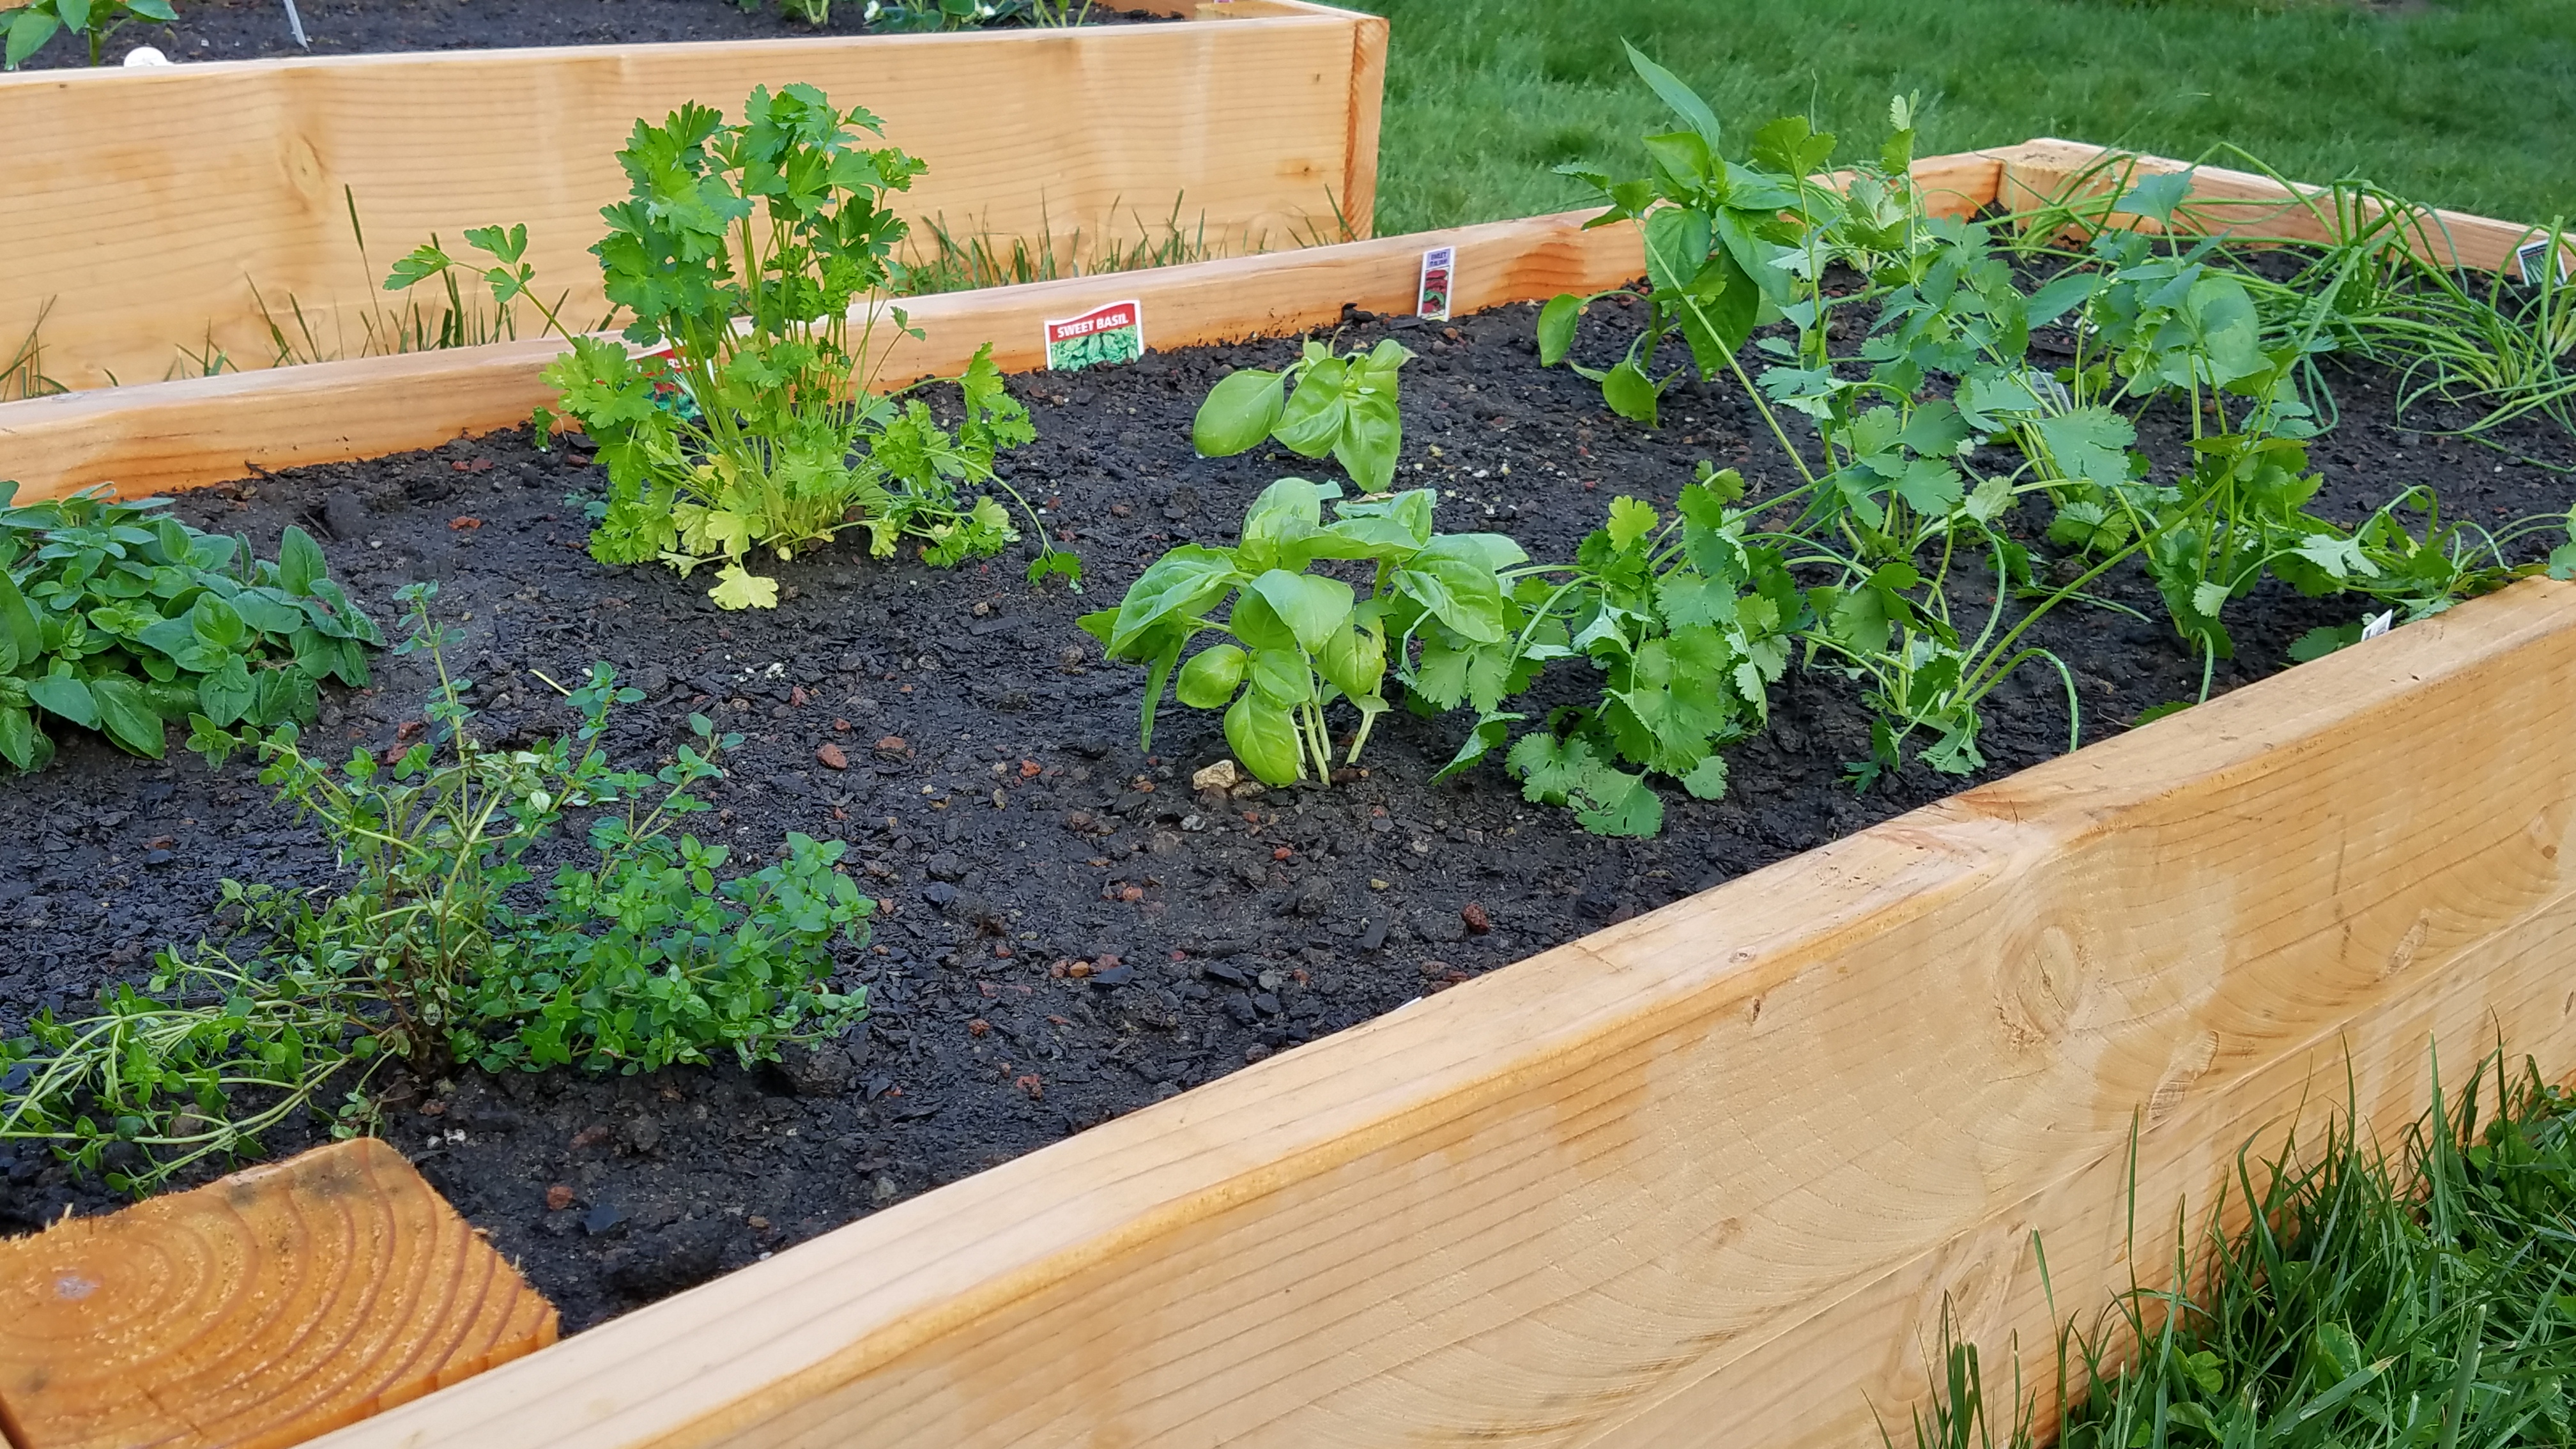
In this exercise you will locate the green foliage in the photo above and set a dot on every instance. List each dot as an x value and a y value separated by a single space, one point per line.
740 255
431 950
93 20
2368 1301
116 617
1322 403
509 278
1301 640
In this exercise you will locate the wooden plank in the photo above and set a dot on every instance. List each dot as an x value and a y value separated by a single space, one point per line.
260 1310
148 236
2048 172
1705 1178
163 436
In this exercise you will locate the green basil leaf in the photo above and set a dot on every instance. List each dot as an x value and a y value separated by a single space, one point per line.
1180 584
1453 580
1282 677
1238 414
1311 606
1211 677
1313 420
1264 737
1556 327
21 743
1372 436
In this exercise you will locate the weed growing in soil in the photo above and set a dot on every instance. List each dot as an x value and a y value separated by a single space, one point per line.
1322 403
2429 1300
116 617
431 951
740 255
92 20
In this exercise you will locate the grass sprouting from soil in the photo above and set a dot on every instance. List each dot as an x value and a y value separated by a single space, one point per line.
2466 104
2423 1299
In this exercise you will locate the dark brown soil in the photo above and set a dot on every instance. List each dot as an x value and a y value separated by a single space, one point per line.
257 29
1008 818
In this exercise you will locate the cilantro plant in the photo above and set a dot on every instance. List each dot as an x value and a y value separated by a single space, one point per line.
116 617
741 254
437 947
1322 403
92 20
1296 639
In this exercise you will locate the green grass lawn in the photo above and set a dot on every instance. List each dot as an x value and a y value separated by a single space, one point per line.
2469 104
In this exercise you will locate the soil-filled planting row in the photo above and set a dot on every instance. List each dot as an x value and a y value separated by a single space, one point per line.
981 760
258 29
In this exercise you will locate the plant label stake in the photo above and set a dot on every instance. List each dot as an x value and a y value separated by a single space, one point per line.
1433 302
1115 333
295 23
2378 624
2526 258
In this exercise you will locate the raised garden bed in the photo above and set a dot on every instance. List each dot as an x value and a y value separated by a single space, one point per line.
1657 1171
254 191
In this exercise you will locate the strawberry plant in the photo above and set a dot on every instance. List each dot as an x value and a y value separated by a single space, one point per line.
1322 403
1298 640
741 254
92 20
116 617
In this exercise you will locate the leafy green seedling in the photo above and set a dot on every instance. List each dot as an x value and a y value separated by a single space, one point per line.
93 20
1297 640
741 255
116 617
1342 405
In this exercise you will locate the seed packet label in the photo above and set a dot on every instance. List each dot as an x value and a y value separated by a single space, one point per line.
1437 266
2378 624
2527 259
1115 333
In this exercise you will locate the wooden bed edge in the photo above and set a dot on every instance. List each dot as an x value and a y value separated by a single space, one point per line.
161 437
781 1352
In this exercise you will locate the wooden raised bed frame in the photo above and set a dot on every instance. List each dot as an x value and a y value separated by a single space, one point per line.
1708 1177
147 203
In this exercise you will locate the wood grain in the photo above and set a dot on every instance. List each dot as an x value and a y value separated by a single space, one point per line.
2248 206
164 436
1707 1177
260 1310
209 179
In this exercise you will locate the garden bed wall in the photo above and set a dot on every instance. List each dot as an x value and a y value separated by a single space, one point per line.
2254 207
1710 1176
147 203
162 436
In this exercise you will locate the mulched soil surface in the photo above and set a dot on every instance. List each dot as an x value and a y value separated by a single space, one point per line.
257 29
981 760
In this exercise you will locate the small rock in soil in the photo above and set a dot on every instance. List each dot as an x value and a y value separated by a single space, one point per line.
831 756
1477 922
1219 776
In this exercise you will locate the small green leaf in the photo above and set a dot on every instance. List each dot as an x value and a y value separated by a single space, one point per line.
1239 412
1264 737
1556 328
299 562
1312 606
738 588
1211 677
128 716
1630 393
66 696
1630 520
